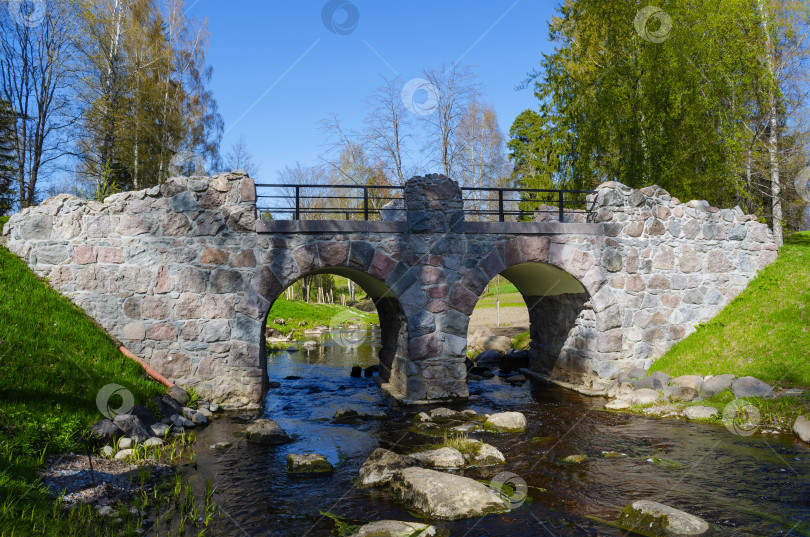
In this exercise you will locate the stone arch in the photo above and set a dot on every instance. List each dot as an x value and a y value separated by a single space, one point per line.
558 283
359 261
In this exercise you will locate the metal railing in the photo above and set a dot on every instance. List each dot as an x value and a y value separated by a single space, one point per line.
364 202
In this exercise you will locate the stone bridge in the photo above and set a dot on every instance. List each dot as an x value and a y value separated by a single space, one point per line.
184 275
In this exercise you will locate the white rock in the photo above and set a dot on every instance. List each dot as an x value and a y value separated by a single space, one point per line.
644 396
673 522
444 496
802 428
154 441
107 451
395 528
618 404
443 458
124 454
700 412
125 442
508 422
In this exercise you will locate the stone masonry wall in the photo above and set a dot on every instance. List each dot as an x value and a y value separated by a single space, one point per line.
166 271
184 276
668 267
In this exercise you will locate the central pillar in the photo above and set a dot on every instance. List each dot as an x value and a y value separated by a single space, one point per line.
435 370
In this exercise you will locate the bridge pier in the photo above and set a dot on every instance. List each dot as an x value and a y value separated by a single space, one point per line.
184 275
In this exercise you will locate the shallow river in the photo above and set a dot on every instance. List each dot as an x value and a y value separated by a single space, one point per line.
757 485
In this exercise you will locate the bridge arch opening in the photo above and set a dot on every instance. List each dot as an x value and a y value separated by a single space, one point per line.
343 325
544 300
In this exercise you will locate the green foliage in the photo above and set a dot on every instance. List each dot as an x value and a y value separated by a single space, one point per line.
763 332
53 362
615 106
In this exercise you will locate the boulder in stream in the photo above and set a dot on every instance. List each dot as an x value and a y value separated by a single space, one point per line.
380 467
444 496
442 458
266 431
506 422
395 528
658 520
310 463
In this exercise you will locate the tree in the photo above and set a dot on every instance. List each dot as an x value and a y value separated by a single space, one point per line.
145 93
482 163
620 106
387 127
240 158
8 164
700 105
454 89
36 67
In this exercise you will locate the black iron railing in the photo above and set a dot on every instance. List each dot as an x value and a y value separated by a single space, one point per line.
365 202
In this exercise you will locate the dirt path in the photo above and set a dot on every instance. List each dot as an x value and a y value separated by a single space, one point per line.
514 320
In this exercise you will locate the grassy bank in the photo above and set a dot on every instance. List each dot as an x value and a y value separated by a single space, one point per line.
764 332
53 362
299 316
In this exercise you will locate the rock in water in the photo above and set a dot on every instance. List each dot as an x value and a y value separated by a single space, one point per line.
506 422
106 432
617 404
444 496
380 467
179 394
658 520
576 459
443 414
443 458
487 455
266 431
488 359
802 428
132 426
751 387
395 528
311 463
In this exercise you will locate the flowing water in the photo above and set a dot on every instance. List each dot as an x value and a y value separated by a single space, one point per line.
757 485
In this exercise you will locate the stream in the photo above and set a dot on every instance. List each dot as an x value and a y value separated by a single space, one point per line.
757 485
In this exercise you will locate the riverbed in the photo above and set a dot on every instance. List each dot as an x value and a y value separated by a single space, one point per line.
757 485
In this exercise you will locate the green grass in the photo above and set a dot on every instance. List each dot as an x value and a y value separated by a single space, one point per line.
294 312
3 220
764 332
522 341
53 362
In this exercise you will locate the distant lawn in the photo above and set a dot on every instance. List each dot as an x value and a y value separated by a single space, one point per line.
507 299
53 362
311 314
764 332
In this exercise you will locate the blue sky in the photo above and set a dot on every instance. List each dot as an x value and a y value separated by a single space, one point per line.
278 69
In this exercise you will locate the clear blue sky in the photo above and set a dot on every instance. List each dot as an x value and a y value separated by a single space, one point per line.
278 70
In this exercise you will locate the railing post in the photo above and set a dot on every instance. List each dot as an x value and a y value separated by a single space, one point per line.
560 201
500 205
365 203
297 202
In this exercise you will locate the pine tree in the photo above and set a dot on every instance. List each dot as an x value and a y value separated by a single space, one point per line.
8 168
